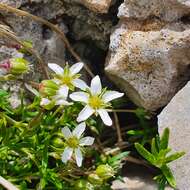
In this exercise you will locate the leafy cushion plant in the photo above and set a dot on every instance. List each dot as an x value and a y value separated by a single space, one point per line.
159 158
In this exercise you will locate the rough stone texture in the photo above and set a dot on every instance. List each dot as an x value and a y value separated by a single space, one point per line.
136 183
28 29
149 61
168 10
176 117
99 6
136 177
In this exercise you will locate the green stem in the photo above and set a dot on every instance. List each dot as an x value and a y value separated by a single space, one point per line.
57 110
121 110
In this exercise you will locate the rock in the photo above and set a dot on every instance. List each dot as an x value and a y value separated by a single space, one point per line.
168 10
99 6
46 43
149 60
176 117
136 177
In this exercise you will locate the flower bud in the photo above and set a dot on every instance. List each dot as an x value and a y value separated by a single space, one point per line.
57 142
48 88
47 104
95 179
82 184
105 171
18 66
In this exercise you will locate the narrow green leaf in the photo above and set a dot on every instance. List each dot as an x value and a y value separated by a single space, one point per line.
174 156
145 153
169 176
162 154
154 148
164 139
119 156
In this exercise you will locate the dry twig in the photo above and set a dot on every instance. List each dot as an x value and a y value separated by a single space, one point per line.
7 184
50 25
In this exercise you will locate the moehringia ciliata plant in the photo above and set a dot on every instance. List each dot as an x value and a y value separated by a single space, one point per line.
94 98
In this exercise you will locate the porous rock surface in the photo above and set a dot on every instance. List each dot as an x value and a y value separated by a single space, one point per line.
176 117
149 56
168 10
99 6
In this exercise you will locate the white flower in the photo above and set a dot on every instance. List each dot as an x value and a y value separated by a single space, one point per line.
59 99
96 100
68 76
75 143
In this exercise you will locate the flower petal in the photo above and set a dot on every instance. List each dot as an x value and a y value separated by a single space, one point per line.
63 91
66 132
74 69
63 102
96 86
86 112
66 154
34 91
78 156
105 117
45 101
79 97
86 141
56 68
111 95
79 130
80 84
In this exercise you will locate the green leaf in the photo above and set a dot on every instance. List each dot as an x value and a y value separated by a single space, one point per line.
169 176
119 157
162 154
135 132
164 139
145 153
154 148
174 156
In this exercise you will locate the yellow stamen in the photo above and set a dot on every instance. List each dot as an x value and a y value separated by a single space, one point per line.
95 102
73 142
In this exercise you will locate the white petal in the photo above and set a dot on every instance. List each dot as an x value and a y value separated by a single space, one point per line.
80 84
78 156
66 154
76 68
86 141
96 86
56 68
86 112
57 81
63 91
34 91
45 101
111 95
79 130
66 132
79 97
63 102
105 117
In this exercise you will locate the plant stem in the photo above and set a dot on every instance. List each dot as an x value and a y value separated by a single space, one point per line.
50 25
121 110
10 35
36 119
57 110
117 125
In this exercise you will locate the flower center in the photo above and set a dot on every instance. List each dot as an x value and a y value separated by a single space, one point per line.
73 142
67 80
95 102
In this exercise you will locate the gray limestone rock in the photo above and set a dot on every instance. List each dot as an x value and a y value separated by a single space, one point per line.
168 10
149 61
176 117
